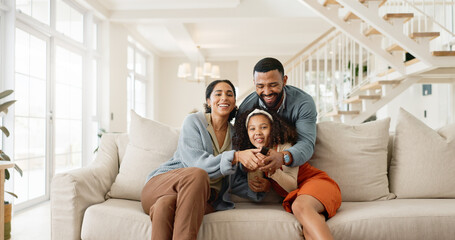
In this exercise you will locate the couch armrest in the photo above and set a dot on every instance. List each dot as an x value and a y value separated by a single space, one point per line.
74 191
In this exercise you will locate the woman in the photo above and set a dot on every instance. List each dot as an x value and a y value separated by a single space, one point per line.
309 193
194 181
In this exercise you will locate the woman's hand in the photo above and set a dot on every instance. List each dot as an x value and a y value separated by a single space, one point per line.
248 158
259 184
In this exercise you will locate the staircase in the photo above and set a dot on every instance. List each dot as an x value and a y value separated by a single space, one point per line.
376 50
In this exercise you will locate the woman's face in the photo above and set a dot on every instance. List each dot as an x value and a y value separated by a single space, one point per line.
222 100
259 128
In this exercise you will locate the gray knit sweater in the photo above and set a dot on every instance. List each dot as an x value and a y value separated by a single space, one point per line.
195 149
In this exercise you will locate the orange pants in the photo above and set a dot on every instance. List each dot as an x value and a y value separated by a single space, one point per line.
314 182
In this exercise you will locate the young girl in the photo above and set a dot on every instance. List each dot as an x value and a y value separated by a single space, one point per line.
309 193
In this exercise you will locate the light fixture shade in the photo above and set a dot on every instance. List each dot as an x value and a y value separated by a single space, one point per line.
198 73
184 70
180 73
215 73
207 69
187 69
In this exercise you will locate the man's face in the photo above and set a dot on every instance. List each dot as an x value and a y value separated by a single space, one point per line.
269 87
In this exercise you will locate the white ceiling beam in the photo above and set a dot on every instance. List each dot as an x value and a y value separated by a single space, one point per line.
185 41
99 10
170 4
247 10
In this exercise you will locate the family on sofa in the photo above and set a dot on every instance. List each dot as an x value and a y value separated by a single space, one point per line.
394 185
205 169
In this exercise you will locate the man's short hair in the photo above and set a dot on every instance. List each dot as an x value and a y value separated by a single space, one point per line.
269 64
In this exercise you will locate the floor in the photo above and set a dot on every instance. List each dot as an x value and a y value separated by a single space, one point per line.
32 223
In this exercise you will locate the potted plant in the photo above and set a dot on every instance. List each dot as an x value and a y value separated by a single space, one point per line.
3 157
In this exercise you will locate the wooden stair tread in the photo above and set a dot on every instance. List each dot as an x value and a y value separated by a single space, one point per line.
378 84
359 98
443 53
386 72
330 2
431 35
412 61
339 112
380 4
371 31
350 16
406 16
394 47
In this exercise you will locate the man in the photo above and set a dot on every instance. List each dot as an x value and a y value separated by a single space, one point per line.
291 103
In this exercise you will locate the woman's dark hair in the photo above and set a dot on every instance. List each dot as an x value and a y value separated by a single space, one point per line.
269 64
208 92
281 131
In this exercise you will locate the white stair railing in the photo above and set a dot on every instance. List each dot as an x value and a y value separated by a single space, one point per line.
331 69
429 16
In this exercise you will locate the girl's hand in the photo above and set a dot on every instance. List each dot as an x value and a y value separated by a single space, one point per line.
259 184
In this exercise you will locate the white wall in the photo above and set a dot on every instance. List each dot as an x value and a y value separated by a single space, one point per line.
176 97
439 105
118 73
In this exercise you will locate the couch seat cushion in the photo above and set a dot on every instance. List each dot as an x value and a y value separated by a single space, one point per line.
251 221
395 219
116 219
124 219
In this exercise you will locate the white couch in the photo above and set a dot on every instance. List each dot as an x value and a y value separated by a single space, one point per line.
407 193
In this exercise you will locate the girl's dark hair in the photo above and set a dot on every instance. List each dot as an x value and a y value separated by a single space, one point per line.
208 92
281 131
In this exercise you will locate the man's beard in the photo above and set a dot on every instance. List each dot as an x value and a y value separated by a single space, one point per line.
274 104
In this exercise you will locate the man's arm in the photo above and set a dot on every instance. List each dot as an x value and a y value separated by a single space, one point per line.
302 151
306 134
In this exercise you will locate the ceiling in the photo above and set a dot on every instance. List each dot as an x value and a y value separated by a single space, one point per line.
224 29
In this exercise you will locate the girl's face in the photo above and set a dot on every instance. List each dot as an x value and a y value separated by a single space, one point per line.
259 128
222 100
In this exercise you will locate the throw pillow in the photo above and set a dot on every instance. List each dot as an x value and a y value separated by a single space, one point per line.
423 160
150 144
355 157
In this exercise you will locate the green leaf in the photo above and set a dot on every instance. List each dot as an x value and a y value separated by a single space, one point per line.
18 169
4 107
12 194
5 131
4 156
7 174
6 93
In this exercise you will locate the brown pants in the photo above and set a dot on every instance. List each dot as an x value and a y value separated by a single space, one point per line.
176 202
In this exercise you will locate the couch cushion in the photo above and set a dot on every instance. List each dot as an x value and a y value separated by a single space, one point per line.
395 219
116 219
423 160
355 157
125 219
251 221
150 144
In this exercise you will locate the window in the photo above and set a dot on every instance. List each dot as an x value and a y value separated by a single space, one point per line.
38 9
56 84
30 115
68 110
69 21
136 80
